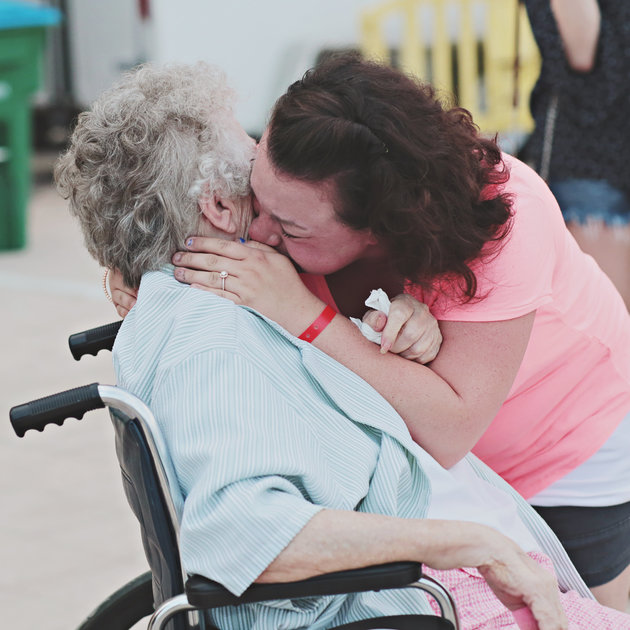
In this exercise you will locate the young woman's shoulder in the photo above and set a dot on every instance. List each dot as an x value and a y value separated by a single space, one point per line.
535 211
514 276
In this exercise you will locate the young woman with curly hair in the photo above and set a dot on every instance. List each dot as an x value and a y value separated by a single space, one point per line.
365 180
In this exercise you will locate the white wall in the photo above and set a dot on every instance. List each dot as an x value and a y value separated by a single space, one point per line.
263 45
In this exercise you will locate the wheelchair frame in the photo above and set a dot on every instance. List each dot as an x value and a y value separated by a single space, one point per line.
195 593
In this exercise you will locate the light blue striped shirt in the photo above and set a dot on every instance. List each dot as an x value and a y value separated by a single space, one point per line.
264 430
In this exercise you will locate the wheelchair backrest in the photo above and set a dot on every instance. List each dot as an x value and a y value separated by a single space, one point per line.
146 497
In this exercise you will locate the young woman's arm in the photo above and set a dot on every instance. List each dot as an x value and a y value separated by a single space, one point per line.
578 23
409 331
446 407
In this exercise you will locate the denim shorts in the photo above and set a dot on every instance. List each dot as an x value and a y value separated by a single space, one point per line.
597 539
587 200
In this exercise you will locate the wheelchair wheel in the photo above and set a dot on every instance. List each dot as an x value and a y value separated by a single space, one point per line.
124 608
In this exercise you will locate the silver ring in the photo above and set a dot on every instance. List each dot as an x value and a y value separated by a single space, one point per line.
223 275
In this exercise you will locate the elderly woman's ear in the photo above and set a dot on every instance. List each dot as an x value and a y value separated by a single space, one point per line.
219 216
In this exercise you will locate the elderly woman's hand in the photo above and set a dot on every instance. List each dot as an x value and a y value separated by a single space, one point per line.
520 582
123 296
409 330
255 275
527 589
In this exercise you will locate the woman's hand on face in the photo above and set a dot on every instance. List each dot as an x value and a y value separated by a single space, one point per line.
257 276
409 330
123 296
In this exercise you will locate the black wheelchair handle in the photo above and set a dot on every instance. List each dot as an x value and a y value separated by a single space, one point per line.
72 403
93 340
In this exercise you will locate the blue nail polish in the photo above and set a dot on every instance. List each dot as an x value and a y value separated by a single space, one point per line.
189 242
241 240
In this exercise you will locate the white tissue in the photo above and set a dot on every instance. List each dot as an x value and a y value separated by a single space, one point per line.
379 301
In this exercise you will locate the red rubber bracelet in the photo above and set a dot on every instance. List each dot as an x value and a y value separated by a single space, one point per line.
324 318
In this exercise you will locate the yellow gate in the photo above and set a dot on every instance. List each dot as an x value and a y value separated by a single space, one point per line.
477 52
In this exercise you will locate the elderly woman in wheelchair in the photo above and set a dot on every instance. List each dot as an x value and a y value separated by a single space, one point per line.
289 465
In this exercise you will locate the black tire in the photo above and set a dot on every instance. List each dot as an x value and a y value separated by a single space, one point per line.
123 608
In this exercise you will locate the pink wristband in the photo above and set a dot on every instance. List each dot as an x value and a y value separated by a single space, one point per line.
324 318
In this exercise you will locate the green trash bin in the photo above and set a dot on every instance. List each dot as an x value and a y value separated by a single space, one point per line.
22 38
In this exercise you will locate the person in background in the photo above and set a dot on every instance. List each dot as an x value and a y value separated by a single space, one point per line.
581 140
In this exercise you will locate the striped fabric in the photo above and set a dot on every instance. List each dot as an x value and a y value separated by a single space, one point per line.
264 430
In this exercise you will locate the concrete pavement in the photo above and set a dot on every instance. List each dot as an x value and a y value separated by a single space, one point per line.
67 536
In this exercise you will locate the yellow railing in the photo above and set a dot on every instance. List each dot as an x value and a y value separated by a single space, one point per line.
466 49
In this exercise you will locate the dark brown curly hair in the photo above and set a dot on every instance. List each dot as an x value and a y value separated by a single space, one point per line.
415 173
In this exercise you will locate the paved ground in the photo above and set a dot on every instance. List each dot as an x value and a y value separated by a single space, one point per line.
67 536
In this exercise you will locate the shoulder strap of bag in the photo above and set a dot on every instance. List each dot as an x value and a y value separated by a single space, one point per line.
550 126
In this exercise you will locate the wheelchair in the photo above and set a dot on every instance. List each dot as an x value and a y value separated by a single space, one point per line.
170 598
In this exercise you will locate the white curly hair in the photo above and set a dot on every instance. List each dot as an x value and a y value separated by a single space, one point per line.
144 154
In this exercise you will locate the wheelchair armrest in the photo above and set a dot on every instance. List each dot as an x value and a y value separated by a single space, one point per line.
204 593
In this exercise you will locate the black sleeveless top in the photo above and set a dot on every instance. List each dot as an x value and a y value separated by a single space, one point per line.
592 132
